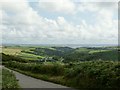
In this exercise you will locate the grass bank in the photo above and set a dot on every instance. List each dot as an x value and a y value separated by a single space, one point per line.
9 80
49 78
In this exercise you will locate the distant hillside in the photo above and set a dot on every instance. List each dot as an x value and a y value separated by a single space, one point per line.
79 54
65 54
53 51
87 54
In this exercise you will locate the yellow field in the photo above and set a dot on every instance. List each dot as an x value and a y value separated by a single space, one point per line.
11 51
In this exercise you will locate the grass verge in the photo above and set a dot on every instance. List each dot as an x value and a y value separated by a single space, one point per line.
49 78
9 80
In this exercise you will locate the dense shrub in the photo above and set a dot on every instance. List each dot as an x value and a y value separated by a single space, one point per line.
89 74
6 58
97 74
51 69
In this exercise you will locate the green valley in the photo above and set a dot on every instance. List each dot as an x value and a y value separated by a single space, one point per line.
84 67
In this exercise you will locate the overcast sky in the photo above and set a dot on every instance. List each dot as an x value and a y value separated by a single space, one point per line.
59 22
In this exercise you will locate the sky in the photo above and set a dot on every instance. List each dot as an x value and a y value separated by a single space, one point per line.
58 22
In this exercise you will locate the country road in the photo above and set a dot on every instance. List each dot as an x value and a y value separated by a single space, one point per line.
29 82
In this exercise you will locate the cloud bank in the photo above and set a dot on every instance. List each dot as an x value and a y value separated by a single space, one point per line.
59 22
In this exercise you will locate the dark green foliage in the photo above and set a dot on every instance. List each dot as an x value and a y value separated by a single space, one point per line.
56 51
76 56
50 69
108 55
56 58
95 74
6 58
89 74
111 55
46 51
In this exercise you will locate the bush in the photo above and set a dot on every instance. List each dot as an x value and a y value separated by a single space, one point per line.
95 74
51 69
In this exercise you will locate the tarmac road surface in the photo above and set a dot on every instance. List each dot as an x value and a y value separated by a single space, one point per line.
29 82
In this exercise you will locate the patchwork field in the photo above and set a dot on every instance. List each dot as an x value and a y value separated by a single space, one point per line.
19 52
62 53
74 67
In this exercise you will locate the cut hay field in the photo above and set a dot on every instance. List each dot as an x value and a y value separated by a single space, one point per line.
11 51
17 51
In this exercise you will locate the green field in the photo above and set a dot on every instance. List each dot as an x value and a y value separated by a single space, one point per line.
66 53
18 51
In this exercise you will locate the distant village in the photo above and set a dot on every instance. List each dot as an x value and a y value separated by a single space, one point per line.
49 59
